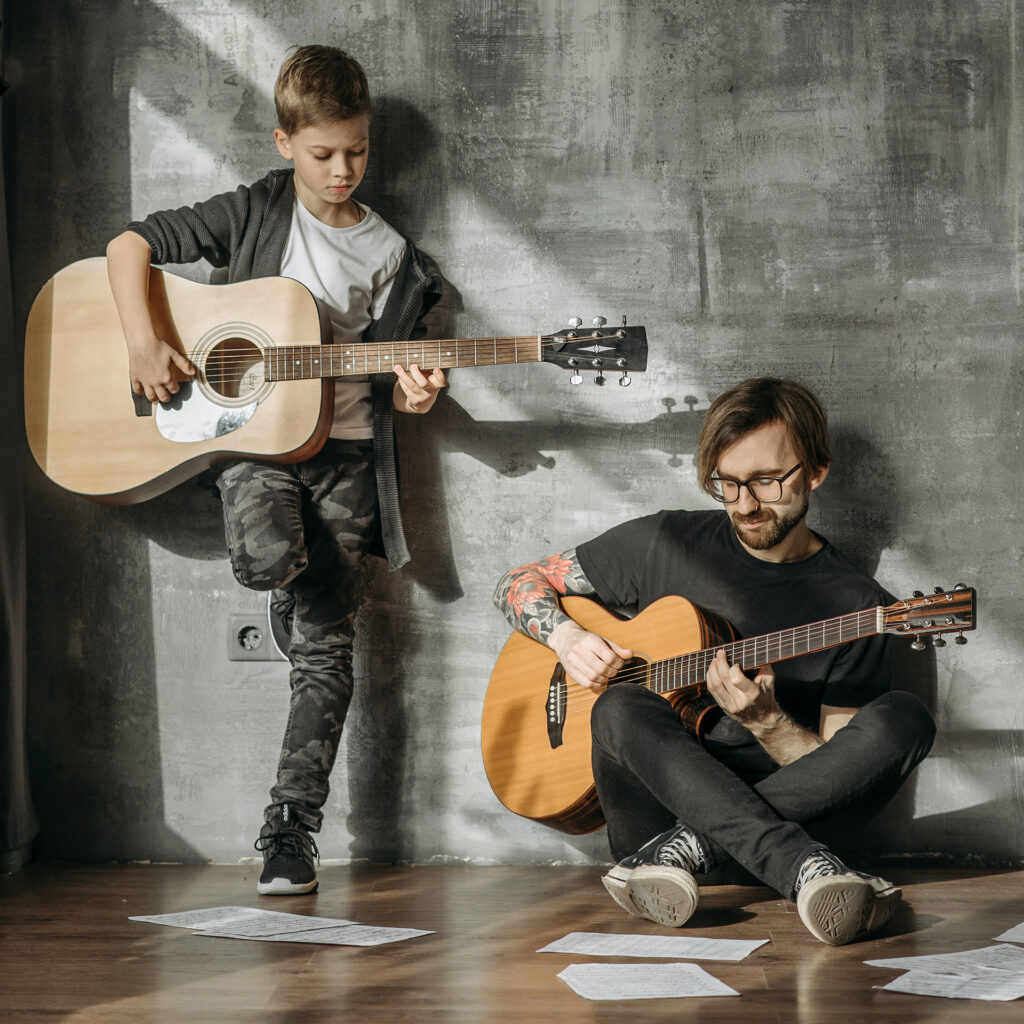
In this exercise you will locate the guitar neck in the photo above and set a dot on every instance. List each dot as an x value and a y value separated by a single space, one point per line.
301 362
690 670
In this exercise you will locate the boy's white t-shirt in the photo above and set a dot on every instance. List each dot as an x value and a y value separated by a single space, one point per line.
351 271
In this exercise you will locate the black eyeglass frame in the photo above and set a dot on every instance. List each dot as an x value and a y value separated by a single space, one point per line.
740 484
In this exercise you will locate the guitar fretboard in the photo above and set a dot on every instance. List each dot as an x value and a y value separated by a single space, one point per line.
301 362
690 670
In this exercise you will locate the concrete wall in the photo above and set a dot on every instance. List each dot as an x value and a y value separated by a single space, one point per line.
814 188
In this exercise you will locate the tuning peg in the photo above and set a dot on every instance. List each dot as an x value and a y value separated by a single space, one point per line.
939 590
575 322
599 321
960 586
625 380
599 379
960 640
576 378
939 642
918 593
918 645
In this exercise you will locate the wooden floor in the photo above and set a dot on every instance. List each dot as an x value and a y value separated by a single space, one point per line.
69 953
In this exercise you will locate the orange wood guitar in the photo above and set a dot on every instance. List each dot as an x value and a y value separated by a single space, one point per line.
535 729
264 386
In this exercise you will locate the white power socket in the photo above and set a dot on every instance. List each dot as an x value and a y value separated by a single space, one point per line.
249 638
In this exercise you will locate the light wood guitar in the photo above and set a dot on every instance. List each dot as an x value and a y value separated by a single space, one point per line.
264 377
535 730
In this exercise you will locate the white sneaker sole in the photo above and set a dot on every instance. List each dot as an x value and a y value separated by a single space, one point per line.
655 892
838 909
282 887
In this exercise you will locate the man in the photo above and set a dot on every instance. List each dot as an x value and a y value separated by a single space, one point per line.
818 744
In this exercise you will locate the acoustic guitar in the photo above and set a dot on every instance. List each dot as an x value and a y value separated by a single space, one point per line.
535 730
264 383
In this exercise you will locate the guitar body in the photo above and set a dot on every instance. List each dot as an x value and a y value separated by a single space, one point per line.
535 732
554 784
89 433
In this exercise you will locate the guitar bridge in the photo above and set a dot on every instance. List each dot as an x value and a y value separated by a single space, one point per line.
554 706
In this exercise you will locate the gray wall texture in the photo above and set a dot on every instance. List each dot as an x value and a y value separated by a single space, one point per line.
816 188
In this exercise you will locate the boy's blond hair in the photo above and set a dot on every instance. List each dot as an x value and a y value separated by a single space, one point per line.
317 85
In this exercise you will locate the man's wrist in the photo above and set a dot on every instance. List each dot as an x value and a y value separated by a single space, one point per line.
772 722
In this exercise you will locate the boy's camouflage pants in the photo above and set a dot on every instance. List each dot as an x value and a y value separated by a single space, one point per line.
304 529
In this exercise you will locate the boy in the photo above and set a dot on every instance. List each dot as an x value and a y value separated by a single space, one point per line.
301 530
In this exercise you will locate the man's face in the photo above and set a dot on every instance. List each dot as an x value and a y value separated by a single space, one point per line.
767 452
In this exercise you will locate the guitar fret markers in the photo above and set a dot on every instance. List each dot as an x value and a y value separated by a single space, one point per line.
301 362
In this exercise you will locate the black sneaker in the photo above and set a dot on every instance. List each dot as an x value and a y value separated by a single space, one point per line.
281 612
838 905
657 881
290 857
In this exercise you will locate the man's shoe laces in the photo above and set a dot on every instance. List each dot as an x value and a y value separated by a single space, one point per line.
683 850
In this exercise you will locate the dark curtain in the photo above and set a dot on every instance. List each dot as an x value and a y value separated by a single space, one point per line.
17 819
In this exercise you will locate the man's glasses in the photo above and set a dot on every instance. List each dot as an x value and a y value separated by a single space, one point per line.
764 489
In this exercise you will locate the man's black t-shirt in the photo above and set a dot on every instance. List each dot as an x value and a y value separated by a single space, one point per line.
697 555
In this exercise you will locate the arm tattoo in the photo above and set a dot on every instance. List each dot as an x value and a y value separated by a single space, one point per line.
528 596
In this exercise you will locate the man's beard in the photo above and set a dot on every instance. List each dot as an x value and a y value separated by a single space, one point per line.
775 529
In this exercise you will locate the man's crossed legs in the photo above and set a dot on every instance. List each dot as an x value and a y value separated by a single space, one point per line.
727 800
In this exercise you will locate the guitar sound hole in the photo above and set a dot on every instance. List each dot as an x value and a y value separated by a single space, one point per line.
234 368
634 671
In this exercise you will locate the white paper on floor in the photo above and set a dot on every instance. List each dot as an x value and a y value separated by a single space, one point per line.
273 926
674 946
349 935
969 963
994 985
642 981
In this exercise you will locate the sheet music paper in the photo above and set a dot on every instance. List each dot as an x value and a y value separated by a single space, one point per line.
674 946
969 963
642 981
270 923
208 918
273 926
993 985
1015 934
343 935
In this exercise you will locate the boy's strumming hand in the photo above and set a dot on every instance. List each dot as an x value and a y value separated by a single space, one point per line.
155 369
415 392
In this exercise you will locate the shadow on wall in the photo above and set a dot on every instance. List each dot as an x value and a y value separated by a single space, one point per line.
91 612
93 731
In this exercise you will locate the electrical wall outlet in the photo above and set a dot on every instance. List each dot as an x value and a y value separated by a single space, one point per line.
249 638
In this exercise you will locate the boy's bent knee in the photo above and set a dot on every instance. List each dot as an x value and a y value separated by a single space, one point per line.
259 576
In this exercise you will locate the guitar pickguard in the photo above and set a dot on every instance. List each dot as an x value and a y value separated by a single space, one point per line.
192 416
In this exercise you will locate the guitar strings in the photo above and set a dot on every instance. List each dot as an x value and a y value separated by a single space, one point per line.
503 342
236 358
832 633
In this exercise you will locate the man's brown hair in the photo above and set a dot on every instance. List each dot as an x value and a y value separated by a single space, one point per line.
754 403
317 85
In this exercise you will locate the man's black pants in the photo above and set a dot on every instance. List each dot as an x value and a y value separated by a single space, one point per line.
650 773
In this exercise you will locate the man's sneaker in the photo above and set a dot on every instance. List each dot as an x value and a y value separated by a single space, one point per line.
290 857
281 612
838 905
657 881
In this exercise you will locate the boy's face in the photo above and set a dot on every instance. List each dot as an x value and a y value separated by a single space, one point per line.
330 160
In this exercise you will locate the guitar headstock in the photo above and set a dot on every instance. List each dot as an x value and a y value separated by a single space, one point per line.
944 611
601 348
